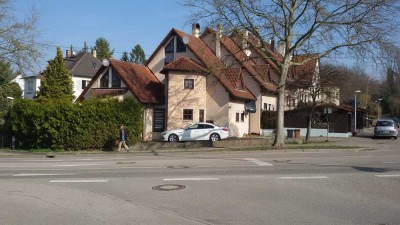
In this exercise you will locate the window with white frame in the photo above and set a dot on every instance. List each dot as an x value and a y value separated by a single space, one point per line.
188 84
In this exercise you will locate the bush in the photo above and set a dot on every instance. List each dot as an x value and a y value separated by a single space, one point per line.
60 124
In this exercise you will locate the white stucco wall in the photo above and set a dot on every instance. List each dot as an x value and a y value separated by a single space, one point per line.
238 128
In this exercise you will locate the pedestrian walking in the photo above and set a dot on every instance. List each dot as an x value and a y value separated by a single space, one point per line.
122 138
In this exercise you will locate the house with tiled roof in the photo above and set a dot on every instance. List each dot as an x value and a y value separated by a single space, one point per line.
121 79
82 66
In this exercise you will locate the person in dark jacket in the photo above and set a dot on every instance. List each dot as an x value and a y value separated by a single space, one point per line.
122 138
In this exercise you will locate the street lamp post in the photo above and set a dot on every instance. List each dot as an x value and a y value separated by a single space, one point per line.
355 110
379 107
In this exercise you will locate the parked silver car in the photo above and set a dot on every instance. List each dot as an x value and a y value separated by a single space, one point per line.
386 128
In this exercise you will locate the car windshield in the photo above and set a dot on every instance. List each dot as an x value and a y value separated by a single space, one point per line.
384 123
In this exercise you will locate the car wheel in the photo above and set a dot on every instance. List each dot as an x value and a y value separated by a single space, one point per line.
173 138
214 137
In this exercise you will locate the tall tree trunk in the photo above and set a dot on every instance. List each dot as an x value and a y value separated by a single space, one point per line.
280 131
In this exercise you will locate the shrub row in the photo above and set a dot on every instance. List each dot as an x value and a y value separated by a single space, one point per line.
59 124
268 119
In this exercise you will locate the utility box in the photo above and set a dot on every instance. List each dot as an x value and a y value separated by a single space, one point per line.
289 133
297 133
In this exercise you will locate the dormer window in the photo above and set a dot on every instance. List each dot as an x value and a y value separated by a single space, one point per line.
180 46
239 85
104 80
169 52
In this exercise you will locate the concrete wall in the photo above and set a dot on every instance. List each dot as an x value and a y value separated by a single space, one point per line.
303 131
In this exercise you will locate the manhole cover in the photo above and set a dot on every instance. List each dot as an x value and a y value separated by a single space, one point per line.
168 187
177 167
125 162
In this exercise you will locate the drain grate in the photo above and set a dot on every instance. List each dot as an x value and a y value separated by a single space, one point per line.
168 187
177 167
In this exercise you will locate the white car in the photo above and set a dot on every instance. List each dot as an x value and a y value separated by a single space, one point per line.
196 132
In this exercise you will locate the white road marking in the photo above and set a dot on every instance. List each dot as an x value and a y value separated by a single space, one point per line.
40 174
391 162
78 181
329 164
189 179
312 177
388 175
72 165
258 162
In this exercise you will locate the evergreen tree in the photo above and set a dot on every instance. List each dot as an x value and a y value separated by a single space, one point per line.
137 55
125 56
85 47
7 88
56 80
103 49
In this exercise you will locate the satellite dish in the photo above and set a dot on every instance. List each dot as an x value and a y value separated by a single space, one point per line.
74 53
106 62
185 39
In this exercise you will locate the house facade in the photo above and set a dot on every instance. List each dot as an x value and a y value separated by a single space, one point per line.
82 66
119 80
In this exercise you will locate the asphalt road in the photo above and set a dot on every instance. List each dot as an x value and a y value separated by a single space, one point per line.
321 187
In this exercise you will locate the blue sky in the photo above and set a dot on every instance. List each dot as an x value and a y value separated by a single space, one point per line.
124 23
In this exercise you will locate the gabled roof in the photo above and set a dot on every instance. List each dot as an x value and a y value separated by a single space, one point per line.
208 59
247 63
184 64
305 71
139 79
83 64
233 76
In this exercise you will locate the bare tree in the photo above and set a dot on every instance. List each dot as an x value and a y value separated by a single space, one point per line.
304 26
18 44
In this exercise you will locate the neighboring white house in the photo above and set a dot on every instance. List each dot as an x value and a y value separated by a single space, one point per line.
20 81
82 66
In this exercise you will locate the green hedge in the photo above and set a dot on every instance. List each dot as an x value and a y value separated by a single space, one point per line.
59 124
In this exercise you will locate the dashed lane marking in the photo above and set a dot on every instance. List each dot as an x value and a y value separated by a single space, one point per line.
41 174
298 178
388 175
78 181
190 179
258 162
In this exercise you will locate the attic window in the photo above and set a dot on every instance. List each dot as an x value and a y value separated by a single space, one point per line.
115 80
180 46
239 85
169 52
104 80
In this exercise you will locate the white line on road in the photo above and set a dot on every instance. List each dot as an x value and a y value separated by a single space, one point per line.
391 162
189 179
312 177
388 175
72 165
78 181
258 162
40 174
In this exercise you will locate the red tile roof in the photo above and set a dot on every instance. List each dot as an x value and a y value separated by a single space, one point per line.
102 92
247 63
184 64
213 64
231 78
139 79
